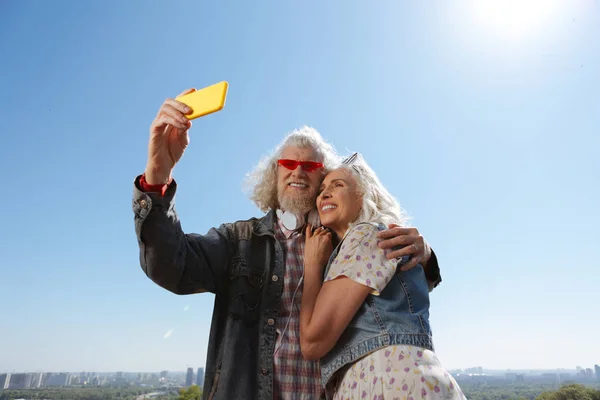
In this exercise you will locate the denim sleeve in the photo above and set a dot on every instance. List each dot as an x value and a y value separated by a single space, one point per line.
181 263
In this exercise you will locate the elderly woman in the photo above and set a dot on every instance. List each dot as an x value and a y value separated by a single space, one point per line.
362 315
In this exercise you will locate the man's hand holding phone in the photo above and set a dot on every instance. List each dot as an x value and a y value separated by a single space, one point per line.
169 131
168 139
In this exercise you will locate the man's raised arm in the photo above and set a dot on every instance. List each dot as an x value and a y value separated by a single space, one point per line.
181 263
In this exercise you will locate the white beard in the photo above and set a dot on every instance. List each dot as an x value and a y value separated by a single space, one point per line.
299 205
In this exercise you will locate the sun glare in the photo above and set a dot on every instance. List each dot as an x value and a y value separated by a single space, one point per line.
516 19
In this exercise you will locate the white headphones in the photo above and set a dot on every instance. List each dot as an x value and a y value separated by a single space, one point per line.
280 340
289 220
292 222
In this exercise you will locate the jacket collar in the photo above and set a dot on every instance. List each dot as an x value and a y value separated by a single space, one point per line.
265 225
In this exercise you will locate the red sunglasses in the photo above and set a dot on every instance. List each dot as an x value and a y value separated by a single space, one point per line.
308 166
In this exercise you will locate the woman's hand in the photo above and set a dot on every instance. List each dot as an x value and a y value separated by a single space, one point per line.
317 248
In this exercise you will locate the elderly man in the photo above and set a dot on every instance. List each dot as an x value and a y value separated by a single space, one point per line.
254 267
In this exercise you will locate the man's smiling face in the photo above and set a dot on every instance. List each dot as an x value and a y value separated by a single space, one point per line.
297 189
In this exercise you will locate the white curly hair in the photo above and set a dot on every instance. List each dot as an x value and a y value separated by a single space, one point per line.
261 182
379 206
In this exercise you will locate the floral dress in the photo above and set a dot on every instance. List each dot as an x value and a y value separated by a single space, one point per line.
392 372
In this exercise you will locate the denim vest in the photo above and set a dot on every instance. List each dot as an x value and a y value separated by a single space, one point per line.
398 316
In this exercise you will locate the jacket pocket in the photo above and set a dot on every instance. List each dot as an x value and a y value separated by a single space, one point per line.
245 292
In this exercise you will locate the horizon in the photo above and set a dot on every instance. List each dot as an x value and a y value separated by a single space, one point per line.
183 371
480 118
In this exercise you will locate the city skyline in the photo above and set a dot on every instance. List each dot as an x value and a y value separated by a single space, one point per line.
195 369
475 381
193 376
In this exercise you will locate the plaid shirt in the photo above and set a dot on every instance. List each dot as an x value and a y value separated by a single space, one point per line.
294 377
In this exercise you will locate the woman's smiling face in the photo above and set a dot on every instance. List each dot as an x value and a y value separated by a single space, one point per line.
339 201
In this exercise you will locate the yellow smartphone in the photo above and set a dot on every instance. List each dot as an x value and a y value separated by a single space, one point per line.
205 101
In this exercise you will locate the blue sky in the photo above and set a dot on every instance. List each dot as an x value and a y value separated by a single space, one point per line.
483 122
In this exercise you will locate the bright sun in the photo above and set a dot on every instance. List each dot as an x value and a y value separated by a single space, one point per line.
516 19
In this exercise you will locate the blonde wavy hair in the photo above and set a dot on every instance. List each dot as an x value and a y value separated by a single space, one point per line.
261 182
379 206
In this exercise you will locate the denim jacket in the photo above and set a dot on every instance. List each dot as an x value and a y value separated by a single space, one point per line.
399 315
243 265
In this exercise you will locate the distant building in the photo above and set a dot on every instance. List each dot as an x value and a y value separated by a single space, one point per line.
189 379
564 376
596 367
200 377
474 371
36 380
20 381
514 377
589 373
4 381
57 380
